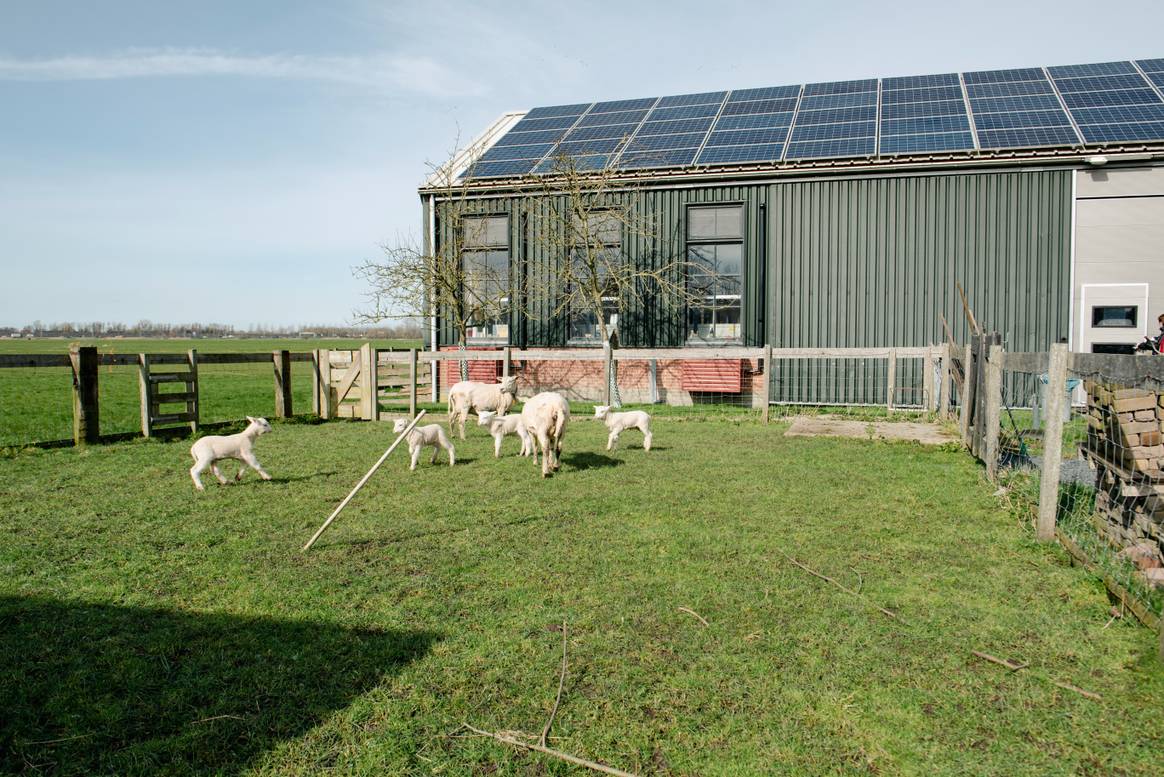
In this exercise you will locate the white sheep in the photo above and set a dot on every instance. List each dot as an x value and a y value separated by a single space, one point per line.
545 417
469 396
618 423
501 425
420 436
208 451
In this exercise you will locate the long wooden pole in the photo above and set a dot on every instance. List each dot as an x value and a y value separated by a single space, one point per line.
363 480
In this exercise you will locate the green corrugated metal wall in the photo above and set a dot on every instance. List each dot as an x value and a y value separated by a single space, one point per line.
852 262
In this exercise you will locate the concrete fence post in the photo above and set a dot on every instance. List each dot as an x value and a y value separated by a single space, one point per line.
86 397
891 380
1052 442
993 409
608 366
505 361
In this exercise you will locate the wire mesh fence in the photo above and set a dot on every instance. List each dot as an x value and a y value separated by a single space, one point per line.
1080 449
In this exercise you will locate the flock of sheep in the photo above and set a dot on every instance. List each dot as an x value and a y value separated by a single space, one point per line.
541 423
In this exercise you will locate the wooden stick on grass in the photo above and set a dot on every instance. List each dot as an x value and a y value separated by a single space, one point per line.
839 585
690 611
363 480
561 682
593 765
1012 666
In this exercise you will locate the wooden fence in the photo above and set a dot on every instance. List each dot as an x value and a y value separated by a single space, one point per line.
341 379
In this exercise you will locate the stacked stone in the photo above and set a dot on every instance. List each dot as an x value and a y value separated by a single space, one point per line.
1125 442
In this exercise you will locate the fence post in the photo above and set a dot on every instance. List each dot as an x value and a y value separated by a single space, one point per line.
434 368
193 407
504 363
1052 442
766 391
607 360
966 401
412 383
944 391
86 398
929 401
993 409
890 379
369 382
326 410
143 374
282 364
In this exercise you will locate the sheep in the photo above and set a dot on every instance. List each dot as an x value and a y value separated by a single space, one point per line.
421 436
208 451
545 417
470 396
501 425
617 423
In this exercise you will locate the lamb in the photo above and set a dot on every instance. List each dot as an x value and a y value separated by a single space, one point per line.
470 396
501 425
617 423
208 451
421 436
545 417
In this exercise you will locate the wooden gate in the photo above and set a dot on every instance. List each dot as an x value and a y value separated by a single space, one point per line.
153 417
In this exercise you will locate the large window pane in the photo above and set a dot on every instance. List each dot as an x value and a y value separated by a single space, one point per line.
486 277
715 252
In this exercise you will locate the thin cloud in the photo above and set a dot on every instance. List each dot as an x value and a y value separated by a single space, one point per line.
418 74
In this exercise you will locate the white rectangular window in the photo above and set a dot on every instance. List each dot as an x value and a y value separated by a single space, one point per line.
715 253
485 266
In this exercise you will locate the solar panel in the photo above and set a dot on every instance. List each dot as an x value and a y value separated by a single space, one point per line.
1070 105
923 114
588 162
706 98
1020 110
756 152
764 93
1105 99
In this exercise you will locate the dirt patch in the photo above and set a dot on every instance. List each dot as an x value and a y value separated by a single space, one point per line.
812 426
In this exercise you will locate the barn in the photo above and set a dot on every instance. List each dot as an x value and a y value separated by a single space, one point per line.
846 214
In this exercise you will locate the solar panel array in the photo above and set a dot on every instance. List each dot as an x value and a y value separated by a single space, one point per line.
1071 106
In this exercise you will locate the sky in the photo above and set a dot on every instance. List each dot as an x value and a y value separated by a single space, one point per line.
232 162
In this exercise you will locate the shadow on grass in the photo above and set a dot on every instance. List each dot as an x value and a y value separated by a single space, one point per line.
253 479
375 541
91 688
589 460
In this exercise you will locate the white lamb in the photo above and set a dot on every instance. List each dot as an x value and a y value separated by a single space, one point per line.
208 451
501 425
468 396
618 423
421 436
545 417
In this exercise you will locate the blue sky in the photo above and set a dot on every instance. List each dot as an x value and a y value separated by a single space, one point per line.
232 161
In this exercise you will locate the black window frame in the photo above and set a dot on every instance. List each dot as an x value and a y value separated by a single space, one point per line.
495 330
611 305
1097 319
721 285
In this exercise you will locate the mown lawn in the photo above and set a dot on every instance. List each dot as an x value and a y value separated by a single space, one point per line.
148 629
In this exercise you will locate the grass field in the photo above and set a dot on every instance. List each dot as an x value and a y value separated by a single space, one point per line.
148 629
36 404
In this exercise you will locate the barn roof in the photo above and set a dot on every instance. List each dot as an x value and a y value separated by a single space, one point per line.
1024 112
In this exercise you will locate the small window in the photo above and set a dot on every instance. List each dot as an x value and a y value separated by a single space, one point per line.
1116 316
715 253
485 262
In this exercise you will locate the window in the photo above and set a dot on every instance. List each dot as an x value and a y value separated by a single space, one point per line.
715 252
485 264
1119 316
598 249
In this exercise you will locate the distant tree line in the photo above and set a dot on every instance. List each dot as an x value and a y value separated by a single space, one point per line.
145 328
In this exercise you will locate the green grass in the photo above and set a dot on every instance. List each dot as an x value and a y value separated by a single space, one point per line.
145 628
36 404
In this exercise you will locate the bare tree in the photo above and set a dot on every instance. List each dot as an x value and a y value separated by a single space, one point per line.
612 254
457 275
